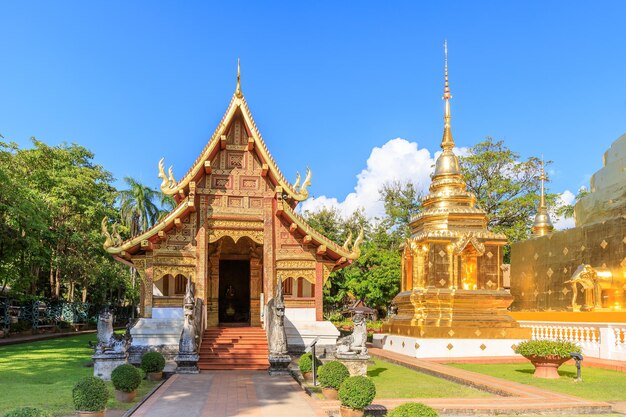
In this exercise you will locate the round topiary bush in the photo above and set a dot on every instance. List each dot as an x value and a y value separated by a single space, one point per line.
27 412
547 348
357 392
152 362
90 394
413 410
126 378
332 374
306 362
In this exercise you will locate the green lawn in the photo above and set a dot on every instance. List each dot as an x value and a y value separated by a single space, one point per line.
597 384
394 381
42 374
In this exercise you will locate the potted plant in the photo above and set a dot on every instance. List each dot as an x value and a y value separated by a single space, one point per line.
412 410
27 412
547 355
126 379
153 363
331 375
356 393
90 396
305 363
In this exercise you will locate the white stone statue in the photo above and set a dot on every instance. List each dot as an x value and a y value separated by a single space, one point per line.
354 344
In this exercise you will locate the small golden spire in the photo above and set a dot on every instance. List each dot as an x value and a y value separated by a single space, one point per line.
543 224
238 92
447 142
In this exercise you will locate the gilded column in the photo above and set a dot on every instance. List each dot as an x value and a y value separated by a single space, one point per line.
319 285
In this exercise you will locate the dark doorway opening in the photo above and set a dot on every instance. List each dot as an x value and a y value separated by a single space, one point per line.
234 298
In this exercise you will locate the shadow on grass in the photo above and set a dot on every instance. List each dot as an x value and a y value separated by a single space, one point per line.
376 371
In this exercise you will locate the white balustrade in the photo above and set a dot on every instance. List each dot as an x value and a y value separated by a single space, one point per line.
598 340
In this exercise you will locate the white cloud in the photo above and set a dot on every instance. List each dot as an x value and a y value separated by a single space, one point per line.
560 223
397 160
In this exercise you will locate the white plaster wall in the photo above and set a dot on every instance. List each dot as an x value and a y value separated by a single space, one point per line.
300 314
445 348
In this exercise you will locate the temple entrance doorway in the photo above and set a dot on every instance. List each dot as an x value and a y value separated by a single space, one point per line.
234 292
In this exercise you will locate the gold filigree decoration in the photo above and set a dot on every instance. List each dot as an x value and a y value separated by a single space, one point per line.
255 235
309 275
168 183
111 239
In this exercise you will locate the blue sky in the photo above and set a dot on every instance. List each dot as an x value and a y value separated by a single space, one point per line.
327 82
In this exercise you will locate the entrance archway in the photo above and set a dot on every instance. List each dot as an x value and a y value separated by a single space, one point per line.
234 292
235 282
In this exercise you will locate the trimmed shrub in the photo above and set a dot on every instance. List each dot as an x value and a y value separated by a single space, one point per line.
357 392
545 348
27 412
413 410
332 374
152 362
126 378
90 394
306 362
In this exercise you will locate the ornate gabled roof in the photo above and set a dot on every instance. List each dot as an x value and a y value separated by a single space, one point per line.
114 245
237 104
342 253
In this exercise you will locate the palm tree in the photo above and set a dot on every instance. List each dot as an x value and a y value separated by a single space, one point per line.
137 208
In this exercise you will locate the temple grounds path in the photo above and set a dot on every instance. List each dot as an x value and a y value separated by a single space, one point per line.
229 393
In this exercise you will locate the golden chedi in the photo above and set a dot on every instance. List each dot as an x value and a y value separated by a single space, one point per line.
557 276
452 281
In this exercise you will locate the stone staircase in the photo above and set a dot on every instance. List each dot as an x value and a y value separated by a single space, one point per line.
233 348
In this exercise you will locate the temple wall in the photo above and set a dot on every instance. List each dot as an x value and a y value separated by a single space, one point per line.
540 266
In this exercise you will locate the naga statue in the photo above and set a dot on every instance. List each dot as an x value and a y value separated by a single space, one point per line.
108 341
594 281
354 344
279 358
187 343
278 337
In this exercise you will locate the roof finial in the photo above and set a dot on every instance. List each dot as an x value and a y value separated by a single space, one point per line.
447 142
543 224
238 90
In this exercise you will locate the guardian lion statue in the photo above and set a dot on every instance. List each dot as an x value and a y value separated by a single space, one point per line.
354 344
594 281
108 341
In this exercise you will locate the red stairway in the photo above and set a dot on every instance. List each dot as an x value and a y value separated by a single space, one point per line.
230 348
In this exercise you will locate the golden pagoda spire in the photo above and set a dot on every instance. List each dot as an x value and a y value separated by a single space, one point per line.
447 164
542 225
447 142
238 92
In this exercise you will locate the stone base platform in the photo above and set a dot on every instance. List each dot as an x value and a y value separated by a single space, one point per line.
160 333
444 347
301 333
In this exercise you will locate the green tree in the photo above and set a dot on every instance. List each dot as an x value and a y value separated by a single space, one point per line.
505 186
138 209
402 201
52 201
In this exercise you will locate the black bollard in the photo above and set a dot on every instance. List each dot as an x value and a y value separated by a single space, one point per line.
578 358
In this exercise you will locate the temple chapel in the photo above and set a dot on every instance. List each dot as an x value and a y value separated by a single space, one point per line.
234 232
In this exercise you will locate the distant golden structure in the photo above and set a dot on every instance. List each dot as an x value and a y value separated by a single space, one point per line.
543 224
580 269
452 284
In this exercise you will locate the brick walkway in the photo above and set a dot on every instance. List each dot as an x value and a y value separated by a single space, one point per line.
229 393
514 398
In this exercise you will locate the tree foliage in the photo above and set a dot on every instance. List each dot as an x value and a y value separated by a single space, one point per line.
52 200
505 186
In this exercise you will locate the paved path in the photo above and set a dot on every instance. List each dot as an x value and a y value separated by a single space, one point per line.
229 393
